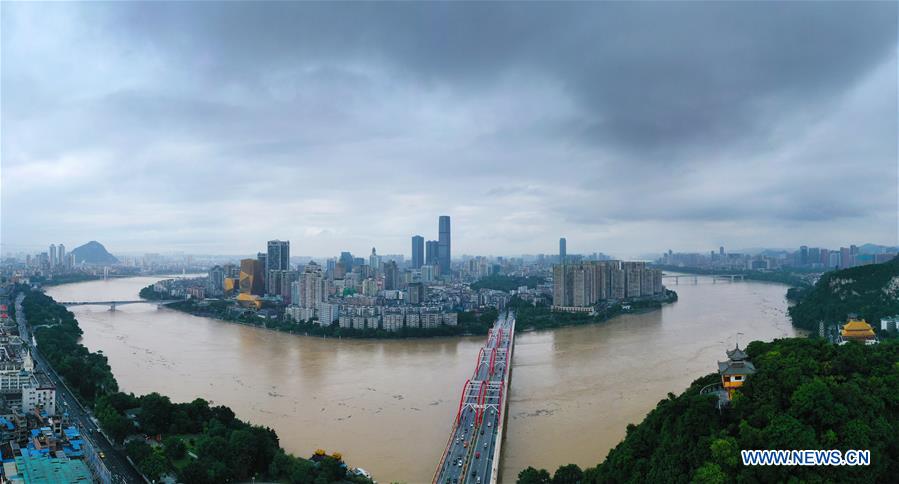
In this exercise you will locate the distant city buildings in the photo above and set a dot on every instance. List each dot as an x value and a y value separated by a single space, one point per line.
805 258
563 249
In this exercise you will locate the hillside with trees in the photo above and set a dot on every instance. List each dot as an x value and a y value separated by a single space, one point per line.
93 252
806 394
226 449
871 291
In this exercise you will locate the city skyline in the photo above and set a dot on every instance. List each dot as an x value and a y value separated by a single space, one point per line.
778 133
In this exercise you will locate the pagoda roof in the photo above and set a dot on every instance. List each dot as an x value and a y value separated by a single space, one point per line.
737 354
858 329
736 367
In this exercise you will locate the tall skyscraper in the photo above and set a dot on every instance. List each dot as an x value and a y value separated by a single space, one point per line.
391 276
347 259
262 258
444 254
418 251
52 255
61 255
431 253
563 249
278 257
374 260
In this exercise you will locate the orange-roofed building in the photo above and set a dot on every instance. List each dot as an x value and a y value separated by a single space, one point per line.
857 330
735 370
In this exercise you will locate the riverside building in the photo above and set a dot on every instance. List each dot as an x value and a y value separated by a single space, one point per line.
587 283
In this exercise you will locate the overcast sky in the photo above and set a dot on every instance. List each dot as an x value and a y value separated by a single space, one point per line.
628 128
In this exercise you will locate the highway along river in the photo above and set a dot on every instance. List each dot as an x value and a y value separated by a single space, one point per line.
388 405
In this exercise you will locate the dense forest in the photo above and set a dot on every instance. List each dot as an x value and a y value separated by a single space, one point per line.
150 294
226 448
806 394
871 291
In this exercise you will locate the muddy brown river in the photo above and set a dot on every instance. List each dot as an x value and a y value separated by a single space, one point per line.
388 405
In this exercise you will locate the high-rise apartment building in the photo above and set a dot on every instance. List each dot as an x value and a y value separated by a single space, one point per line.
61 255
391 276
217 280
418 251
845 258
563 249
347 259
444 254
633 278
311 287
616 283
278 255
585 283
374 260
416 293
431 253
52 255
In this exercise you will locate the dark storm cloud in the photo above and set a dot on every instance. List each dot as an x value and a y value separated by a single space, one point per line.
649 75
524 118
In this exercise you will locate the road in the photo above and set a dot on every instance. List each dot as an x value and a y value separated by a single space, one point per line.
121 470
472 444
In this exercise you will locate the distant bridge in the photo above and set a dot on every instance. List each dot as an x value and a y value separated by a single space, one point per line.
695 277
112 304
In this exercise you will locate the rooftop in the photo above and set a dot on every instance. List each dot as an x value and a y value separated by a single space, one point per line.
40 468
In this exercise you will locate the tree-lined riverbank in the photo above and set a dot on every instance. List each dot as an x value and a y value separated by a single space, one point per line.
225 447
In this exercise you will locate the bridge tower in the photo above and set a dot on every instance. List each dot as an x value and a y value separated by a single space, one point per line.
112 306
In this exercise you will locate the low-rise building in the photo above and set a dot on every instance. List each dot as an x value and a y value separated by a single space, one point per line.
39 394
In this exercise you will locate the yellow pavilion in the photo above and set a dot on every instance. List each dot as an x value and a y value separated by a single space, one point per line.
858 330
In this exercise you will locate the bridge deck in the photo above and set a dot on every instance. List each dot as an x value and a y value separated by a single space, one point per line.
475 438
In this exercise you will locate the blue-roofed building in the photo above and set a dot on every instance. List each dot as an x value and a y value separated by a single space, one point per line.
35 467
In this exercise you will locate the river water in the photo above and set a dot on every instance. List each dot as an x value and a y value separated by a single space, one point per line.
388 405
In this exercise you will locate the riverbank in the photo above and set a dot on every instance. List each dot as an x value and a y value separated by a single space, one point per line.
361 396
530 317
222 447
59 279
470 323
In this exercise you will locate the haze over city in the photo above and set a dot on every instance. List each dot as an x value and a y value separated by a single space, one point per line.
210 128
518 242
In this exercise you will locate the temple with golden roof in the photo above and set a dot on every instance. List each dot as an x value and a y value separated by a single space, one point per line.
859 330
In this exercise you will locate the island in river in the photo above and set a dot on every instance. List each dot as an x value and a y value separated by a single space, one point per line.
531 316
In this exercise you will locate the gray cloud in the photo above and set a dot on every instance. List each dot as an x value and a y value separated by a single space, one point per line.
628 127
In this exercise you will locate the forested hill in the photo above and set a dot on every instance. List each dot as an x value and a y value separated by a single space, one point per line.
806 394
871 291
